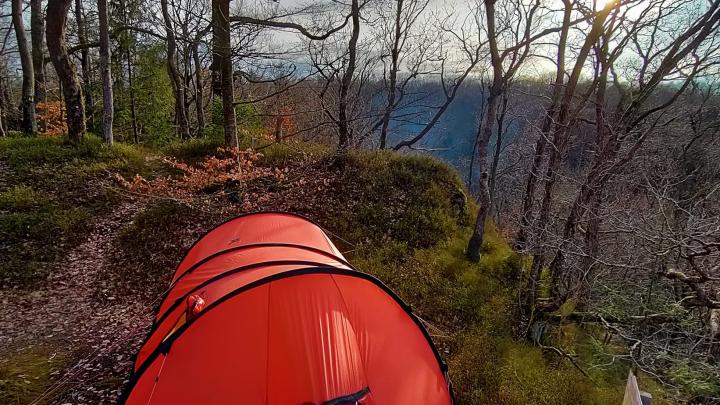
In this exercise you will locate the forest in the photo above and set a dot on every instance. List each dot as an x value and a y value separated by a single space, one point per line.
538 179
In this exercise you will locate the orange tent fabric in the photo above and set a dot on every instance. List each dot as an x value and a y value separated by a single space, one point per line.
264 309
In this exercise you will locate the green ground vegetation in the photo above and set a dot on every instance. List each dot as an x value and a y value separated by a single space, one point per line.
404 219
50 191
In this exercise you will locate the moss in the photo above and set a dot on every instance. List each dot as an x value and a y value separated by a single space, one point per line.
284 154
529 377
24 376
30 243
56 192
32 231
693 380
26 155
20 198
382 196
473 368
193 150
471 308
420 281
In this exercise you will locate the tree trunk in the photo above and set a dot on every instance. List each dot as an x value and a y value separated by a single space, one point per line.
29 123
216 85
561 133
222 49
344 135
392 80
57 48
498 149
714 326
592 231
563 286
129 60
187 83
278 128
133 110
199 110
529 198
474 149
37 31
592 235
3 107
178 85
106 72
484 133
84 62
3 133
603 169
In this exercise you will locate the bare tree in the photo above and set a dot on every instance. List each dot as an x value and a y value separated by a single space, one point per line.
84 47
5 101
130 74
503 122
37 28
634 121
29 122
178 84
505 64
57 48
199 95
466 36
222 54
541 144
568 109
106 73
344 132
397 34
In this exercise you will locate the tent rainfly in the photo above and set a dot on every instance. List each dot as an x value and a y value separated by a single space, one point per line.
264 310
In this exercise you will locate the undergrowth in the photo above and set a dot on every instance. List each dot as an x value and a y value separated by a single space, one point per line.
404 219
24 376
380 197
50 192
470 310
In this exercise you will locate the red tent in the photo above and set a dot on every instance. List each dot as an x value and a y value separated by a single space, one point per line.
264 309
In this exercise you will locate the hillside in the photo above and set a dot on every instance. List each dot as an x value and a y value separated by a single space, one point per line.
91 234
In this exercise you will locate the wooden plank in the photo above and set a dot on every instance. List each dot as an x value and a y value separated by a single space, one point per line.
632 392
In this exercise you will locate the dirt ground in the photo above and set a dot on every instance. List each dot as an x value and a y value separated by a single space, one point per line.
78 317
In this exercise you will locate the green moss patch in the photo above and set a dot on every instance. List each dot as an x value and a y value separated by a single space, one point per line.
33 231
50 193
382 196
24 376
194 150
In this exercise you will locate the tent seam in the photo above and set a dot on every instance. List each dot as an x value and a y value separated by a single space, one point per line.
267 348
342 298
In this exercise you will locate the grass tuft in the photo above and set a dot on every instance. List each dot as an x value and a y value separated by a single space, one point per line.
24 376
